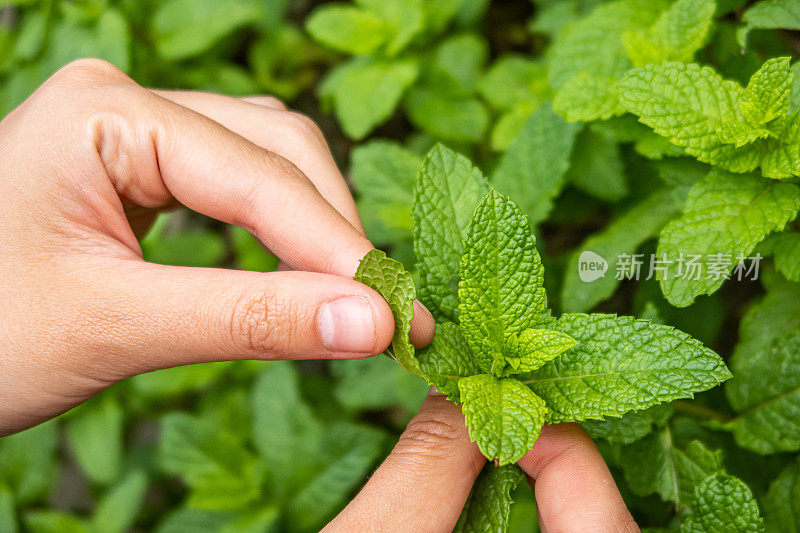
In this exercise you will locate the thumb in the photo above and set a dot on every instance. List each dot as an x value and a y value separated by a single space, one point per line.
425 481
163 316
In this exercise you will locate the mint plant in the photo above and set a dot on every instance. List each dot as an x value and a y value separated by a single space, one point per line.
501 355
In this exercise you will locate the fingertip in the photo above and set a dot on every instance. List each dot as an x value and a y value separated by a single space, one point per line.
423 326
554 440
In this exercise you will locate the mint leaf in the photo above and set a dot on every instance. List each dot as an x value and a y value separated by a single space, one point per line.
513 80
622 236
377 383
773 14
501 287
593 44
766 394
622 364
503 416
448 189
532 169
8 516
95 436
348 29
631 426
447 359
27 462
221 473
725 216
531 349
723 503
586 97
118 509
767 92
782 502
489 503
446 113
678 33
364 92
391 280
787 255
655 464
596 166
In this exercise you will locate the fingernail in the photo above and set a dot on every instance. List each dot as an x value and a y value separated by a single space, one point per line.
347 325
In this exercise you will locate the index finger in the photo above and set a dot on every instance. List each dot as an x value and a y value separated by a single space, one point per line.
574 488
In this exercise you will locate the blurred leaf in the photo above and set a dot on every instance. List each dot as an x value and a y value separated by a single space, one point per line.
55 522
119 507
162 384
187 28
220 472
377 383
187 247
250 255
95 433
27 462
8 515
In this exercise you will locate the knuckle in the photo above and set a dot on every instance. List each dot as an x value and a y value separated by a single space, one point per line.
271 101
430 437
259 325
305 127
89 70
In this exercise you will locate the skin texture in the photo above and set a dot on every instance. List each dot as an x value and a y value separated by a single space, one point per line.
85 165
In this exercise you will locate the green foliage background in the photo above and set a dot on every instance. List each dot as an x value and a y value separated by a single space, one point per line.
542 97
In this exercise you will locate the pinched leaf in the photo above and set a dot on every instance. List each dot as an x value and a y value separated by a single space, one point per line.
532 169
448 189
396 285
489 503
725 216
723 503
531 349
766 394
447 359
767 92
501 290
622 364
782 502
503 416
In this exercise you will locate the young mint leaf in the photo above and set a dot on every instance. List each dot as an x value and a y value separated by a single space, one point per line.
364 92
723 503
782 502
725 216
489 503
447 359
501 276
767 92
513 80
621 364
448 189
503 416
678 33
622 236
348 28
391 280
631 426
531 349
766 394
532 169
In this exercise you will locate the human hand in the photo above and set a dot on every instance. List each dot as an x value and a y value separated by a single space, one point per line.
425 481
86 162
